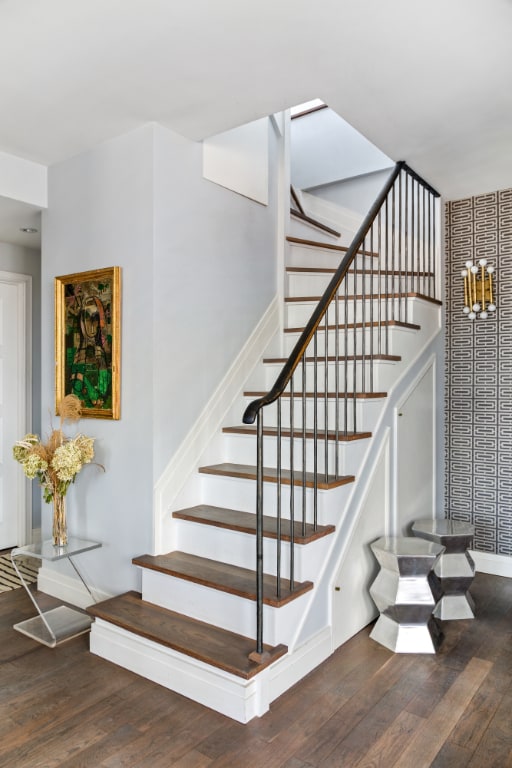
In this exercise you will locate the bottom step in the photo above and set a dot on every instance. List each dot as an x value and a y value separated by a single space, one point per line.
204 642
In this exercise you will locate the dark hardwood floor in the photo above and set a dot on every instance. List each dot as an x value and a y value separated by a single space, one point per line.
363 707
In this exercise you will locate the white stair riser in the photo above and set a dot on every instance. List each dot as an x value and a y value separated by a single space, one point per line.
376 375
367 412
242 449
324 258
411 310
383 340
231 612
239 549
315 283
235 493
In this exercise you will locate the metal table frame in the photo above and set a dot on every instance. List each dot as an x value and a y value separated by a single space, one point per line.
62 623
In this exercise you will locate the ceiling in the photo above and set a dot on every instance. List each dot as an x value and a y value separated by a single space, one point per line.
425 81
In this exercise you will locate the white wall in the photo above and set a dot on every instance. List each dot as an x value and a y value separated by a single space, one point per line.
214 278
357 194
198 271
325 148
100 214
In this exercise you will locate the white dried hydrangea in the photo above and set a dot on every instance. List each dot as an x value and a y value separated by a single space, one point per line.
67 461
34 465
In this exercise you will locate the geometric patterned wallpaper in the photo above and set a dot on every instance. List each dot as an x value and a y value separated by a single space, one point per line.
478 386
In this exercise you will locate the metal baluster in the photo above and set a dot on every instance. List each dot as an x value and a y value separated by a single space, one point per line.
386 278
430 259
418 284
434 246
259 534
336 382
424 243
406 239
372 299
315 432
354 330
379 304
393 257
400 264
326 397
345 361
279 480
304 445
292 489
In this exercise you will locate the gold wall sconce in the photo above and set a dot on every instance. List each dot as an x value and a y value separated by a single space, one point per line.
478 290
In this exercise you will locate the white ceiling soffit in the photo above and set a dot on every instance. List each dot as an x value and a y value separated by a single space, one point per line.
425 81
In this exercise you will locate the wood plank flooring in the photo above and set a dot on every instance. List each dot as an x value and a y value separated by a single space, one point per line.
364 707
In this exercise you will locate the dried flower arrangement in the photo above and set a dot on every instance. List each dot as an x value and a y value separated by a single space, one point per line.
57 462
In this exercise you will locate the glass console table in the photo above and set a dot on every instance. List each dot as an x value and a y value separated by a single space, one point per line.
62 623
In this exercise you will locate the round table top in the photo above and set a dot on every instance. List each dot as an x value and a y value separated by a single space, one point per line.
442 527
407 546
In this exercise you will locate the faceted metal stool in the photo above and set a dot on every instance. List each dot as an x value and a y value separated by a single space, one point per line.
405 592
455 568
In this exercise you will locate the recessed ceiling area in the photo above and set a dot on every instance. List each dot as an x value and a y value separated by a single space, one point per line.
16 216
426 82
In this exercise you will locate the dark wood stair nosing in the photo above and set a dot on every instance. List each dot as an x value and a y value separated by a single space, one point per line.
341 395
327 246
207 643
365 297
223 577
248 472
352 326
250 429
245 522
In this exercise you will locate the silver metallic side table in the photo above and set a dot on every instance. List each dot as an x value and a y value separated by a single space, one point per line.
455 567
405 592
62 623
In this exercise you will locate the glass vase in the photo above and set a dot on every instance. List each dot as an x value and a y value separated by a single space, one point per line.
59 531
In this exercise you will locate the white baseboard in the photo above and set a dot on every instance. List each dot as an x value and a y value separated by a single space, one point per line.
293 667
233 696
496 565
239 699
66 588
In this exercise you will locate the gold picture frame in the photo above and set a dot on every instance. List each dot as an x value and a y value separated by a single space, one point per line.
87 340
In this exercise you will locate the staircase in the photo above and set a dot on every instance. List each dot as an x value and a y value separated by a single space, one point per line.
235 575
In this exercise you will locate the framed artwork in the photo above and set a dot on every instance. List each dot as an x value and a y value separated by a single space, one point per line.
87 340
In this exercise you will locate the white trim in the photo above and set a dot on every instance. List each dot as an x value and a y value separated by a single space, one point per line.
240 699
488 562
23 284
66 588
233 696
293 667
186 459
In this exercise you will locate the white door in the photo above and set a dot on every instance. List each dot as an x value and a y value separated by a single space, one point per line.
13 408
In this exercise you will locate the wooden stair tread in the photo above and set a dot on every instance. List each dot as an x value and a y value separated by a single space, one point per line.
223 576
205 642
340 395
250 429
314 222
351 326
328 246
340 359
382 272
245 522
248 472
366 297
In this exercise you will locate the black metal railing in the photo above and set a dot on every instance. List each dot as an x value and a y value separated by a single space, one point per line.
333 364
